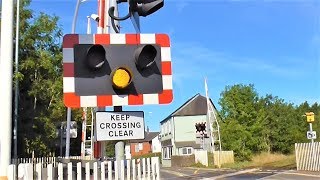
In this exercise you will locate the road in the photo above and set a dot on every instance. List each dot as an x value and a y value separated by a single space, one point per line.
228 174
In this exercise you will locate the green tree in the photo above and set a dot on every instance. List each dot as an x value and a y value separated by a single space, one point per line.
40 82
240 132
254 124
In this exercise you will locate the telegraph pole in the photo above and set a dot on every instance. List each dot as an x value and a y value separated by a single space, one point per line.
6 83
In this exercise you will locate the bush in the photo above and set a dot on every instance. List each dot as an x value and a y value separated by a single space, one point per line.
198 165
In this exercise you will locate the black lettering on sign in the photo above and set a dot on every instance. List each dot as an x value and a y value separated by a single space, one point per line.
111 133
130 133
113 125
107 125
119 117
102 126
138 125
125 133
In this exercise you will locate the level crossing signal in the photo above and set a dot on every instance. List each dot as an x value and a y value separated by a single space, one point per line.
200 127
116 69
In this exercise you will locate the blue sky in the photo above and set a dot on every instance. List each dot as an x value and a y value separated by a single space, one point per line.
273 44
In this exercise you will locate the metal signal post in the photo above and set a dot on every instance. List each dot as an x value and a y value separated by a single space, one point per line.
6 75
310 119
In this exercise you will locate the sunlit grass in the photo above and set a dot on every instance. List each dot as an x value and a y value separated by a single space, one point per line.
266 161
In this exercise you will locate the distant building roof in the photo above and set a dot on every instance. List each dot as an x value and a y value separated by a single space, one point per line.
197 105
187 144
148 137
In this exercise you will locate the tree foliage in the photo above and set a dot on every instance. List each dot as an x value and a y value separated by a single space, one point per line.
253 124
40 82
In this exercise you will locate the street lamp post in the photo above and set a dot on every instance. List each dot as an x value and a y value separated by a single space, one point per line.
73 29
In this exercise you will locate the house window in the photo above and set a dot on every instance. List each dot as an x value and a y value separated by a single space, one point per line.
189 150
164 153
162 129
167 152
186 150
136 148
165 128
140 146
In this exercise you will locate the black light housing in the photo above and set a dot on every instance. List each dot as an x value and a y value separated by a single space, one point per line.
145 56
96 56
95 66
200 127
146 7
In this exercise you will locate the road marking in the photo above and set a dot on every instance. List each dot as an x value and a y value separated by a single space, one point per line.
300 174
231 174
210 169
196 171
266 172
173 172
290 173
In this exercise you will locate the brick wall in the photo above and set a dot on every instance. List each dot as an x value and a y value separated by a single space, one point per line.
182 161
146 148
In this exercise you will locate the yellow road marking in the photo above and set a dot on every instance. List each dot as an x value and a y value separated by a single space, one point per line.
196 171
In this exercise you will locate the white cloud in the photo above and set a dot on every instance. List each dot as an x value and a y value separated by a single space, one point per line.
181 5
191 60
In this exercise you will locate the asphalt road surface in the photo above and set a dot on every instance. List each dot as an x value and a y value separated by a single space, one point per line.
227 174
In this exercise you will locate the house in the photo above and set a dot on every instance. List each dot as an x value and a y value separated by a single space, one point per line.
178 132
150 144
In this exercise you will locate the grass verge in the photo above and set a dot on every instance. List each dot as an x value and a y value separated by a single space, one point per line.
266 161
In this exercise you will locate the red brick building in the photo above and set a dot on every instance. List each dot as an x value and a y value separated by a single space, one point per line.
143 146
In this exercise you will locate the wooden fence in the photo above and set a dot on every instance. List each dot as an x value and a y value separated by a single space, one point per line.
308 156
223 157
145 168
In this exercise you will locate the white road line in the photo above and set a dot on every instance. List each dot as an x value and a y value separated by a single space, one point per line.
267 177
301 174
231 174
290 173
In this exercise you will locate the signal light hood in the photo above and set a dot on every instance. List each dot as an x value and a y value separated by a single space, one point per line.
96 57
147 7
145 56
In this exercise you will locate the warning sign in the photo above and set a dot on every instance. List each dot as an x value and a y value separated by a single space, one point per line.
119 125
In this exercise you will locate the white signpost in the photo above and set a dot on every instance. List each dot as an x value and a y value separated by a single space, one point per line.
311 135
119 125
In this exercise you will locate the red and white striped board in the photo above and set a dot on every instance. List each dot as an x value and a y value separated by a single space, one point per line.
74 101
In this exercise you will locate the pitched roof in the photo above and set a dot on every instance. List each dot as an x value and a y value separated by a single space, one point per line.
197 105
148 137
188 144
